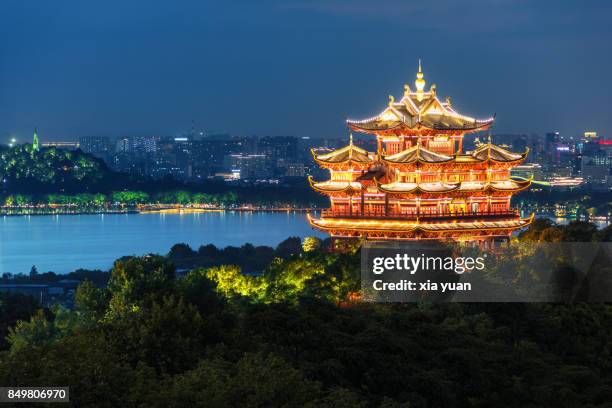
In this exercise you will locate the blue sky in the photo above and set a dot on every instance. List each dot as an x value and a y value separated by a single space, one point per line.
296 67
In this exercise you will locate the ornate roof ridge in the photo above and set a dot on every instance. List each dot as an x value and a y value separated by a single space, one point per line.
351 152
418 156
420 224
503 155
454 186
411 111
321 187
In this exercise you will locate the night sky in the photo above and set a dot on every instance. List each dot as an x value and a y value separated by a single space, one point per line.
136 67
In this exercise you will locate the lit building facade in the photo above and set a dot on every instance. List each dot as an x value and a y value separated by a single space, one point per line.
420 184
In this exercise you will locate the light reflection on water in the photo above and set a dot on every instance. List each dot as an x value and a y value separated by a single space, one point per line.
67 242
62 243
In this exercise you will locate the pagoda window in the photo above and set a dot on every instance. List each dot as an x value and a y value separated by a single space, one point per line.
428 209
428 178
497 206
408 178
406 209
444 208
453 178
393 147
341 209
464 176
441 146
375 210
342 176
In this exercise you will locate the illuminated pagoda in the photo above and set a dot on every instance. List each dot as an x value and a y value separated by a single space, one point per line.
420 184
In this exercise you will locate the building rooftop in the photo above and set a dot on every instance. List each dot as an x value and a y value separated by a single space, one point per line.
419 111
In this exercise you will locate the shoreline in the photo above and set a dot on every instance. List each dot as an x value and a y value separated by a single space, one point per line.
165 210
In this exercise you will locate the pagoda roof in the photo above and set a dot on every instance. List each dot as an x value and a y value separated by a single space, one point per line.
419 109
349 153
499 185
417 153
371 224
331 186
489 151
437 187
485 152
441 187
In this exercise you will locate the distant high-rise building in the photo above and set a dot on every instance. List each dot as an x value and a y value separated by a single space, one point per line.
98 146
136 154
279 150
137 144
551 142
251 166
122 145
596 170
295 170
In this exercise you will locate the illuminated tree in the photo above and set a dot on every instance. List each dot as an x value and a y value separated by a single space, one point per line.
311 244
137 281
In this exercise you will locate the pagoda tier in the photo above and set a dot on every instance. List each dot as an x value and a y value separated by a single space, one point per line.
486 152
505 186
419 229
409 189
347 157
420 112
419 184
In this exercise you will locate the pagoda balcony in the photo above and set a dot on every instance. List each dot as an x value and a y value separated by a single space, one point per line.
413 215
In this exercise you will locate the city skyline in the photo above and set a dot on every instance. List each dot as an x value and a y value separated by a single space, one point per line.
296 68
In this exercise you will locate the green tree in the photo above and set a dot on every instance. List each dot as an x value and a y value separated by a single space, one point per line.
169 335
255 380
311 244
36 332
90 302
13 308
33 272
290 246
182 197
136 282
231 282
579 231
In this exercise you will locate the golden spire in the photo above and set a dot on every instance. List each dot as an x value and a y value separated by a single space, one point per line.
419 82
351 139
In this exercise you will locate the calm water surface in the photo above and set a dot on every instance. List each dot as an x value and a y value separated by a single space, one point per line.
66 242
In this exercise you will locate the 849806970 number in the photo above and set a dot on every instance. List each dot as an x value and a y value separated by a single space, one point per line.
34 394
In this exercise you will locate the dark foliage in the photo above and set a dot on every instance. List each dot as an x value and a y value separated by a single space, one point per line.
250 259
288 338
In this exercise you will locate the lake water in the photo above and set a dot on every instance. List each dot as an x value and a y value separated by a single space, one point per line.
66 242
63 243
